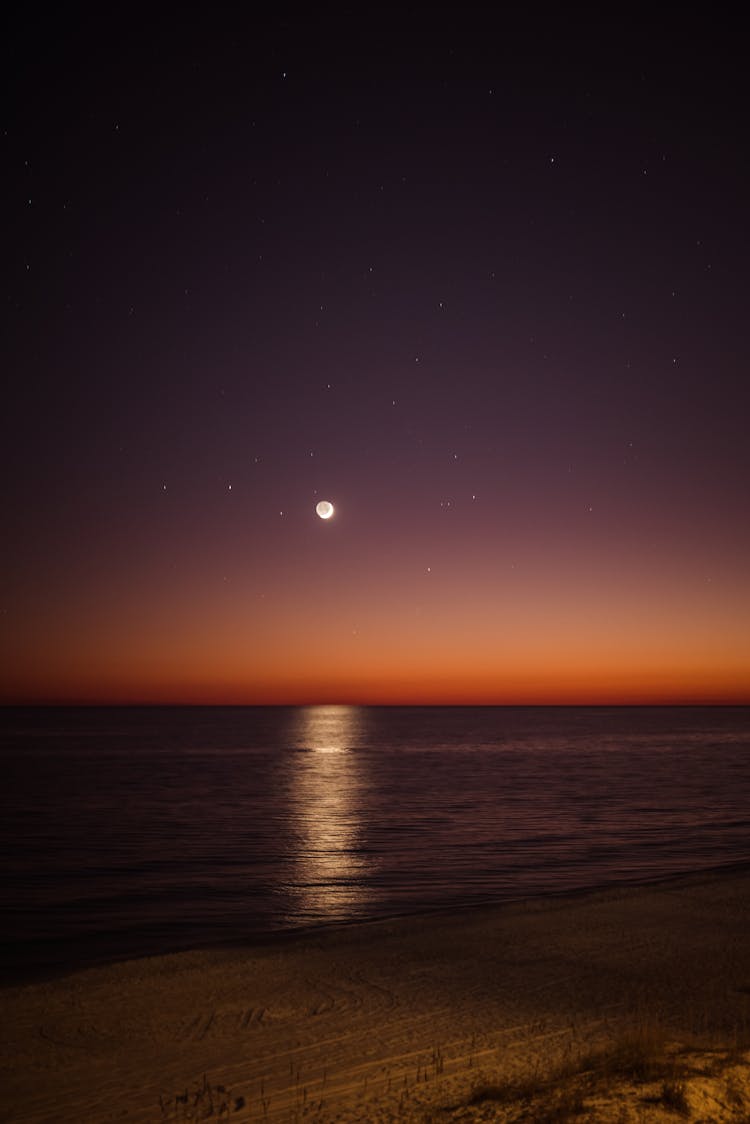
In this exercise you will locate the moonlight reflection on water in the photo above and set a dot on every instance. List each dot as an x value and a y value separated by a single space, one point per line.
327 785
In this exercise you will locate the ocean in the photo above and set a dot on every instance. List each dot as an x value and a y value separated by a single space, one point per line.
138 831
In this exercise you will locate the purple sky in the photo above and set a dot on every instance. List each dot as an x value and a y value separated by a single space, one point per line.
484 288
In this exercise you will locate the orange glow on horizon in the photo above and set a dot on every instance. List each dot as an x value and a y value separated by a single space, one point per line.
348 628
397 682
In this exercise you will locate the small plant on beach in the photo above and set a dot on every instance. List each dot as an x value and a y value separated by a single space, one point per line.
673 1097
637 1054
563 1107
202 1101
552 1104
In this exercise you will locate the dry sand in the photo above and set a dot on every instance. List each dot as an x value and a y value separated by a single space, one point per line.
451 1016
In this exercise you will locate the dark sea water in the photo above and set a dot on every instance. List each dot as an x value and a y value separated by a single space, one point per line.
132 831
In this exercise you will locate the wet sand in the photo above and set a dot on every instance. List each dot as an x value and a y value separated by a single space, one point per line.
394 1020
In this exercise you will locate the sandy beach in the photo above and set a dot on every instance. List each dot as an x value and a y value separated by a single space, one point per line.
625 1004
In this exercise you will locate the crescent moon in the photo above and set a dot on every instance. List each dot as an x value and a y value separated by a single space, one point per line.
324 509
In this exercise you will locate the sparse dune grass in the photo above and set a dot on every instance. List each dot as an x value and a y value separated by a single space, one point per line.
639 1075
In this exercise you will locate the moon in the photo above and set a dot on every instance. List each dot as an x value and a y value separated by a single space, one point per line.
324 509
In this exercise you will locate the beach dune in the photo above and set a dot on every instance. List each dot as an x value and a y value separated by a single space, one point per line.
468 1015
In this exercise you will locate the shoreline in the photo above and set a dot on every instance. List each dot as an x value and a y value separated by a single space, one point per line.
343 1021
48 973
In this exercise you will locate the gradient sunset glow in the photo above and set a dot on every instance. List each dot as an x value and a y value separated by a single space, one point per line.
486 301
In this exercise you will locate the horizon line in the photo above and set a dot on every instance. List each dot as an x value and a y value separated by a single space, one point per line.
423 704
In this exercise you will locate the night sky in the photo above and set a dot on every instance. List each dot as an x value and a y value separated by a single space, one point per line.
484 288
